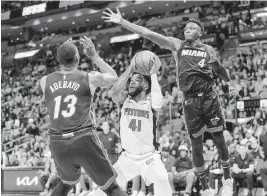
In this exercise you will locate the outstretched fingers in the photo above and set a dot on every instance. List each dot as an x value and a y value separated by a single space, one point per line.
106 13
110 11
105 17
88 39
118 11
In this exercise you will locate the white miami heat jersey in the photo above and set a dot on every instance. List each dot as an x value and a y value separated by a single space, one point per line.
138 126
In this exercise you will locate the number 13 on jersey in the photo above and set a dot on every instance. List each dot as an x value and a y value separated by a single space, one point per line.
70 110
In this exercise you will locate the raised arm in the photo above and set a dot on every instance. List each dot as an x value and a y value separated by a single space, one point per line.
220 70
216 65
162 41
108 76
118 91
156 94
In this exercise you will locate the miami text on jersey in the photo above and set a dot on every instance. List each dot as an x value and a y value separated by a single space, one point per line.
188 52
136 112
64 84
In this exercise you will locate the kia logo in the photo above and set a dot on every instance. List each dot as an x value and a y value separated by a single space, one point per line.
26 181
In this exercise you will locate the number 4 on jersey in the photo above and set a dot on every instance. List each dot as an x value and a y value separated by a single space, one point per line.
202 63
133 125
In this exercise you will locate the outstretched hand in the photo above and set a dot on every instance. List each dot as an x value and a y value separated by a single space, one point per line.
110 16
88 47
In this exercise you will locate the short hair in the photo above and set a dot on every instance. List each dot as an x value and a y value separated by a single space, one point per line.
67 53
196 21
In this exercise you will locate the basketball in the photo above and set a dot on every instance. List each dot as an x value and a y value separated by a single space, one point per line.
144 62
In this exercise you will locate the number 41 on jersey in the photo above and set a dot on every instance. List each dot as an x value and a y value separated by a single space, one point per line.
135 124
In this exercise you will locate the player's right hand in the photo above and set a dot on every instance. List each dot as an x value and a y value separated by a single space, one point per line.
110 16
88 47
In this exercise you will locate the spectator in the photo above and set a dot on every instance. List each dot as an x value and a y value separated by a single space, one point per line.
174 144
24 161
110 141
164 140
232 154
208 155
168 161
243 170
32 128
183 170
263 92
249 136
254 150
4 160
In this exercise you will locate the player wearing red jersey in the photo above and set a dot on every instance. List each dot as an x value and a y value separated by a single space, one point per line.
194 62
68 95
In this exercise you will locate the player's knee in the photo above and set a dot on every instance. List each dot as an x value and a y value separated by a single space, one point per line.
161 177
112 188
218 137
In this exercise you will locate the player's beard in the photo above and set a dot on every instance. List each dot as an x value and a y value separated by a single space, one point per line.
136 92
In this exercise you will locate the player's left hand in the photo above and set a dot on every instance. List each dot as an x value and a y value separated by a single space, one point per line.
156 65
88 47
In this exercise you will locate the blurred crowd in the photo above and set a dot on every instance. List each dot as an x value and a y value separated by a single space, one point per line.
220 17
24 122
10 6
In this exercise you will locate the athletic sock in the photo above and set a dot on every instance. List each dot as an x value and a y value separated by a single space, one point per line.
203 180
226 169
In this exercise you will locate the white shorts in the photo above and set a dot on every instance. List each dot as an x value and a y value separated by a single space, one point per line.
129 166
